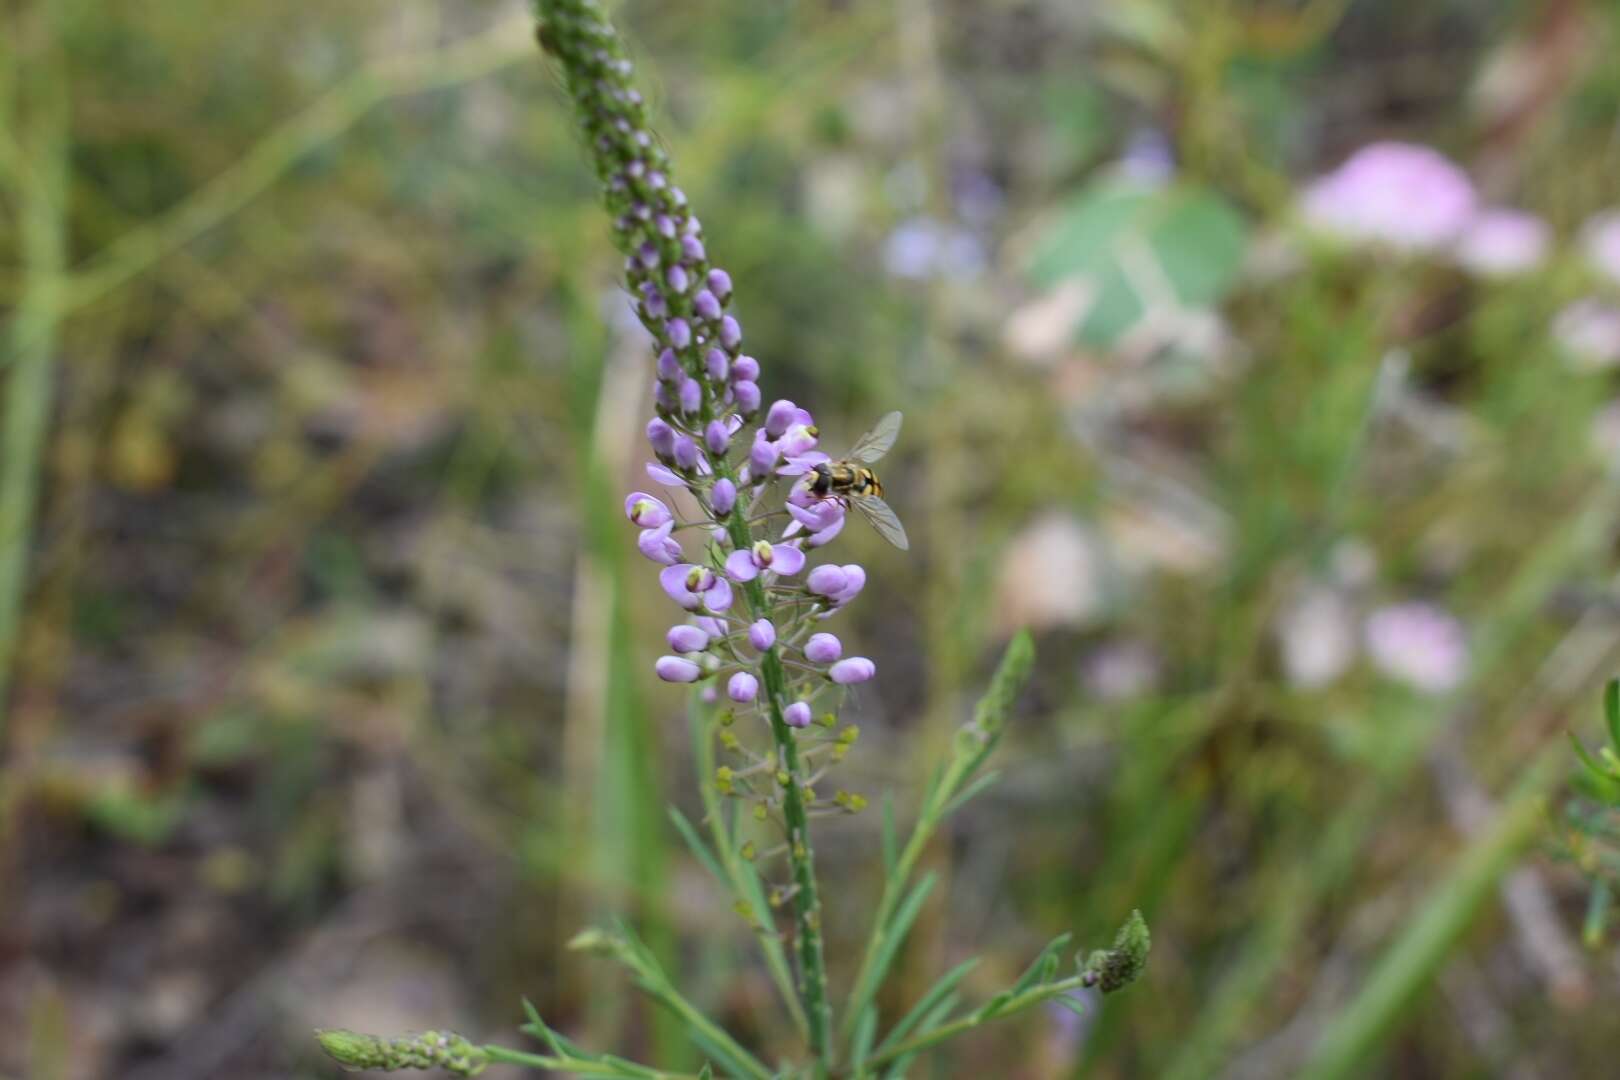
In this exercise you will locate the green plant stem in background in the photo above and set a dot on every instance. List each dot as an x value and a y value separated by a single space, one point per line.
31 340
1444 913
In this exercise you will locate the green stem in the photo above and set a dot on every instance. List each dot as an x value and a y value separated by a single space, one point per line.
806 900
31 343
972 1020
580 1066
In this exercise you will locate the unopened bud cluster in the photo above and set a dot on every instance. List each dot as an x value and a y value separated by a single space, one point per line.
429 1050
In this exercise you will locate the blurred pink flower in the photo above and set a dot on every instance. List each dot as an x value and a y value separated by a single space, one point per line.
1410 198
1600 237
1589 331
1418 644
1317 637
1501 242
1120 671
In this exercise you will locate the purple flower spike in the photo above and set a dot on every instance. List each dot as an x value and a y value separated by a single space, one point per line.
677 669
646 510
746 390
797 714
706 305
762 634
662 438
745 369
669 367
730 332
678 333
677 279
749 563
686 453
782 415
692 248
716 437
717 365
659 546
823 649
686 638
723 497
720 282
826 580
742 687
857 669
691 395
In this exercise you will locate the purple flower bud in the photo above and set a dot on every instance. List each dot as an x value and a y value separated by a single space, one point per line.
717 364
686 453
720 282
691 395
655 180
636 169
665 226
762 634
677 669
652 302
686 638
799 439
827 580
677 196
648 254
706 305
823 649
662 397
854 582
824 536
857 669
746 391
695 587
693 226
797 714
782 413
669 366
709 695
659 546
745 369
716 437
678 333
743 687
692 248
662 438
730 332
723 497
646 510
677 279
763 456
662 475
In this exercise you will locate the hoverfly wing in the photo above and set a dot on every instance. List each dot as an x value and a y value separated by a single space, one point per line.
877 442
882 518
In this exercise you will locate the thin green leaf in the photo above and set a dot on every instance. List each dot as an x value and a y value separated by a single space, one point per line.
891 849
890 940
944 985
865 1032
929 1023
1593 766
1611 711
1044 966
970 792
1597 914
541 1030
1069 1002
699 848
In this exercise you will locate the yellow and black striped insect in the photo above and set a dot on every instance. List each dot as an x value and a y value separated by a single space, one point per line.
858 486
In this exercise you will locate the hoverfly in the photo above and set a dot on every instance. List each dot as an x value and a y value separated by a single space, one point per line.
858 486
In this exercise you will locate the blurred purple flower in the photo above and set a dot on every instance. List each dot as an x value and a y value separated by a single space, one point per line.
1418 644
677 669
922 248
1406 197
823 649
1600 239
856 669
1501 242
659 546
685 638
1589 332
723 496
762 634
797 715
743 687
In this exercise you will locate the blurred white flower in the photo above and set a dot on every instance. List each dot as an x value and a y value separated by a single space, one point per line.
1600 239
1149 159
1417 644
1316 635
1589 331
1409 198
1120 671
922 247
1052 574
1501 242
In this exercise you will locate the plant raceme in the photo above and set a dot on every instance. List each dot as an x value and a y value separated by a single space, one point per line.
755 631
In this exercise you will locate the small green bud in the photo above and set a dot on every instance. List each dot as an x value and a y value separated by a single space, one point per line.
1115 968
827 720
747 851
760 812
592 940
429 1050
782 778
